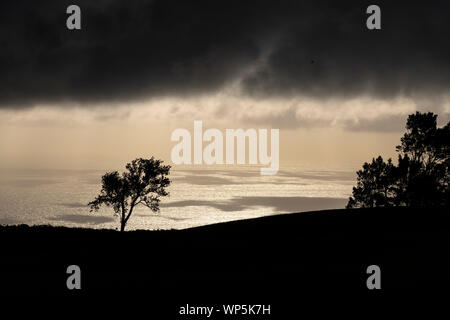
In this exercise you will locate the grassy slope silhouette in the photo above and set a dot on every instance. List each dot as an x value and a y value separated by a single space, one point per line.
279 257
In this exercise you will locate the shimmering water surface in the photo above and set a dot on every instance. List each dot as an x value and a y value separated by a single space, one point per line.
197 197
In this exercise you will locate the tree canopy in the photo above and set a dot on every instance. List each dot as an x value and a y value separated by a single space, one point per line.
144 183
421 177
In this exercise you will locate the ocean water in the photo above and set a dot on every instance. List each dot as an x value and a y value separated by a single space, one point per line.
197 197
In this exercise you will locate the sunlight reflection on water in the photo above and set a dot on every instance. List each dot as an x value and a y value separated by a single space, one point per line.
197 197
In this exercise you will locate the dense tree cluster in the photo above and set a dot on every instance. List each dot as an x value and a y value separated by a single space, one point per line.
421 177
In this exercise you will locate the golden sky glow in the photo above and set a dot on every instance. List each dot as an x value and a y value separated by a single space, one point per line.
318 134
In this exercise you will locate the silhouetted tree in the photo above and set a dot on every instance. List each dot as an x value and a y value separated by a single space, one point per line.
144 183
374 185
422 175
425 153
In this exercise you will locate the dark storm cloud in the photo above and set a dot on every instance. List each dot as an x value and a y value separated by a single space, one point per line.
125 50
332 53
130 50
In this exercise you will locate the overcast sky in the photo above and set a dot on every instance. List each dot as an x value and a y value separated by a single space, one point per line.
138 69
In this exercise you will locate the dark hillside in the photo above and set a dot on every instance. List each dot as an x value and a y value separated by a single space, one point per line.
277 258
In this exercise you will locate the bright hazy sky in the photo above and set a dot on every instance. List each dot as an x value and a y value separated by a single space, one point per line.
313 133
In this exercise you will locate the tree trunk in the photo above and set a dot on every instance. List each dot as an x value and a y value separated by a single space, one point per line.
122 221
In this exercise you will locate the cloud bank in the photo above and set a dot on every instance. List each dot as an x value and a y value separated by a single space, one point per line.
137 50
